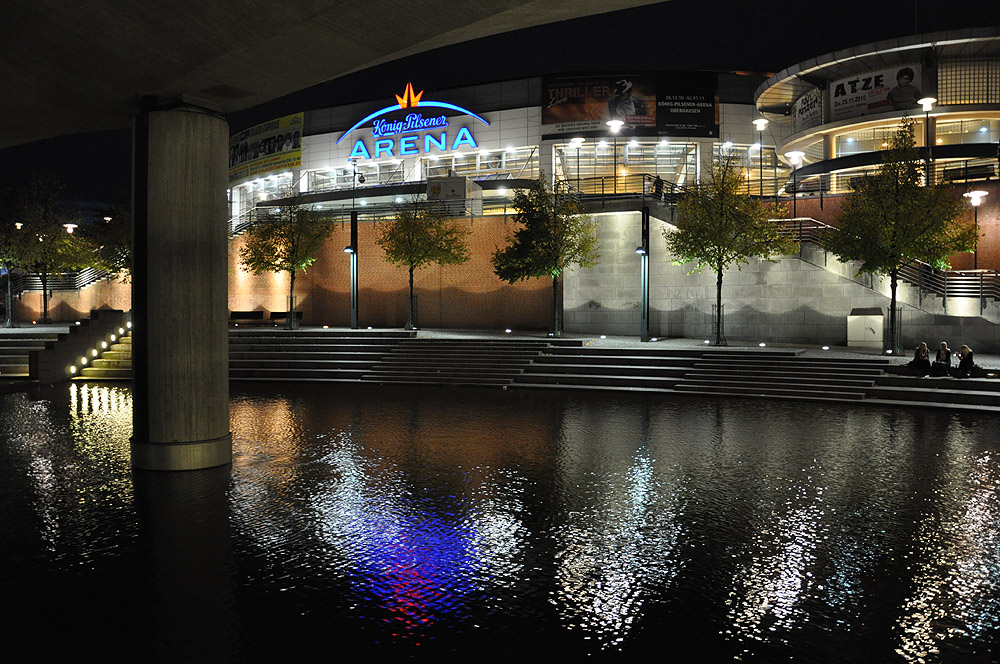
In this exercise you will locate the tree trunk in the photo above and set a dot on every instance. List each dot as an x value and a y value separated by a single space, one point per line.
719 339
293 320
410 323
44 275
891 342
9 301
556 318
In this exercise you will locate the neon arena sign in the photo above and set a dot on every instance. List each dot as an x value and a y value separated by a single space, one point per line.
401 137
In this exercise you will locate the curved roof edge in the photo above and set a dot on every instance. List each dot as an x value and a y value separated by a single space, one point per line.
788 83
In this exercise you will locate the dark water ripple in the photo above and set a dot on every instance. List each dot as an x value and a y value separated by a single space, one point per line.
484 526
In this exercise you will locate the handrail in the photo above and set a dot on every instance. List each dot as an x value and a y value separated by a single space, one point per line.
944 283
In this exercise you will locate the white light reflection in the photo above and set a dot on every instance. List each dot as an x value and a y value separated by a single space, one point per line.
778 575
958 575
613 552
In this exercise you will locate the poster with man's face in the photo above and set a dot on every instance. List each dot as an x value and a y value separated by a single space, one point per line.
896 89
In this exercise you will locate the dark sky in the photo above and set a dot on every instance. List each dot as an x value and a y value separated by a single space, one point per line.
715 35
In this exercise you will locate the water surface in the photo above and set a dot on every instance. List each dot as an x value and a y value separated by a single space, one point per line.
468 525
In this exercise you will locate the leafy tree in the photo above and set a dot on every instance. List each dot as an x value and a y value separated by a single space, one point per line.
889 219
39 241
113 239
287 239
720 225
419 235
552 235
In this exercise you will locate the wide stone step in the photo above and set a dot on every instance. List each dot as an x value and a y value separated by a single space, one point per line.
943 382
816 391
305 356
104 362
811 365
435 380
616 360
606 370
925 394
309 348
597 380
276 373
434 370
292 365
750 375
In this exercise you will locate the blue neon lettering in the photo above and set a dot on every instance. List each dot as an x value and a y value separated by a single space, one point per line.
412 122
439 143
464 138
383 145
359 150
408 145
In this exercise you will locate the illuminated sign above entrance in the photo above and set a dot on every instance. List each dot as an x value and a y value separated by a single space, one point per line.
401 136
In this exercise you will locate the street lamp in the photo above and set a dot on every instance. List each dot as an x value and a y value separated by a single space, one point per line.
927 103
976 197
643 251
795 157
577 142
760 124
615 126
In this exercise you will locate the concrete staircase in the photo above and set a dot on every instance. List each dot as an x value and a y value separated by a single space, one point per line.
115 363
977 394
480 362
15 345
782 376
308 355
590 368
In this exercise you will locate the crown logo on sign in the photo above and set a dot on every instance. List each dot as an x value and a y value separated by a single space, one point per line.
409 97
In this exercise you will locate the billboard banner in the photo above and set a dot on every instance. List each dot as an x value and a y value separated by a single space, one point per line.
584 104
807 112
896 89
266 148
687 104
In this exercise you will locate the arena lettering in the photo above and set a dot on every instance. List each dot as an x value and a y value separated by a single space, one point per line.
411 144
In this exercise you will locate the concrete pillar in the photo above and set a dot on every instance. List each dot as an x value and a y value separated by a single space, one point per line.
179 290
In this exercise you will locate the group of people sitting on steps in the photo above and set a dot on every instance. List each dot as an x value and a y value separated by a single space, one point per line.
922 365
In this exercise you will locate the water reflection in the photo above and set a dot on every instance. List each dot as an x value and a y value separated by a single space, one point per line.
424 526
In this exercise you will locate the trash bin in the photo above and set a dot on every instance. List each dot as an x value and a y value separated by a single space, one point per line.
865 327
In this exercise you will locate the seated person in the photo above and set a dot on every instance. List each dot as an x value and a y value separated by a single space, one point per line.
920 365
967 367
942 361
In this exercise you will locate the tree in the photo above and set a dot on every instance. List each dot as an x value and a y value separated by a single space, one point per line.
287 239
551 236
42 241
419 235
719 225
889 219
113 239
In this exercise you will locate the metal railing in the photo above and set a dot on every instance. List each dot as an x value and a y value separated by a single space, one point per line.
981 284
66 281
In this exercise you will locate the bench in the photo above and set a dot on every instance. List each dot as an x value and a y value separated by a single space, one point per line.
250 317
283 315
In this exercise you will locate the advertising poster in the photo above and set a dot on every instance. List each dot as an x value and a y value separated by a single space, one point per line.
687 104
807 112
896 89
266 148
584 104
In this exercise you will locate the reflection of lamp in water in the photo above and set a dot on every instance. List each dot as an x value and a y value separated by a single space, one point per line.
615 126
976 197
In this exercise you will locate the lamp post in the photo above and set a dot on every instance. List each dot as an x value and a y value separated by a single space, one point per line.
615 126
760 124
976 197
577 142
795 157
352 249
927 103
643 251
